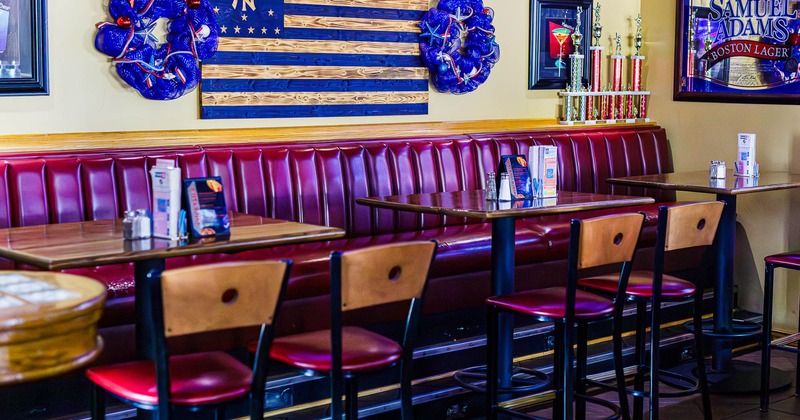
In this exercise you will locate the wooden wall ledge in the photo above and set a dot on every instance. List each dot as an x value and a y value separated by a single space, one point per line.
145 139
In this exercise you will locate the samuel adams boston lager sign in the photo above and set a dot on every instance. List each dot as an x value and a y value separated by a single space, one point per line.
738 50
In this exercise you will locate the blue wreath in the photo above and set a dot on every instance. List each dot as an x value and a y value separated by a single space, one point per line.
165 71
455 66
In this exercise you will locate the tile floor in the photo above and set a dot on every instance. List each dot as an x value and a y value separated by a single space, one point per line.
783 403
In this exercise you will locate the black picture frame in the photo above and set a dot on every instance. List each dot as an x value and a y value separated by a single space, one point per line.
715 64
550 69
23 47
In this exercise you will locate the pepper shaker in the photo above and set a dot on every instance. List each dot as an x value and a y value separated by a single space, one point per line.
127 224
491 186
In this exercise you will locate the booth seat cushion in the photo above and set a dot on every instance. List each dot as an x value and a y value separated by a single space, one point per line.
463 249
555 228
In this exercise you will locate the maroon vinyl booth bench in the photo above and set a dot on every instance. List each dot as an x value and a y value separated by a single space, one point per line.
318 182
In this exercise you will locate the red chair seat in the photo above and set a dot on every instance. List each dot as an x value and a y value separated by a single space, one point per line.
787 260
640 284
550 302
195 379
361 350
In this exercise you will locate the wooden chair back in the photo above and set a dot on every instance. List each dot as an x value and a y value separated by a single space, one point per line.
608 239
692 225
385 274
221 296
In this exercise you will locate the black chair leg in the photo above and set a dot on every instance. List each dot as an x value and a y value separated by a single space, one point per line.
638 382
581 371
351 402
568 370
219 413
699 353
558 365
619 367
337 389
98 402
766 336
406 392
655 356
492 366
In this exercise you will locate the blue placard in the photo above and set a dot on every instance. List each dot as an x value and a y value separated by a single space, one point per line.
205 205
517 168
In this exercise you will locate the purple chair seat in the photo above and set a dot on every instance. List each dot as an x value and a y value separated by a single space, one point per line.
786 260
361 350
640 284
549 303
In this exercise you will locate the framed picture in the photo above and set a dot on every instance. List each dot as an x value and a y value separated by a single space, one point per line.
552 24
23 47
728 51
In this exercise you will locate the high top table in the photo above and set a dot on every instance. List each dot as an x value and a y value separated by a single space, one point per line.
726 376
88 244
502 216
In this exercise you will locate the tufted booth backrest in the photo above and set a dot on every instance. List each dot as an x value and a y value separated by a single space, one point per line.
318 182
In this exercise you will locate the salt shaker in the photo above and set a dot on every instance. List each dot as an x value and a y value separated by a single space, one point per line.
504 192
143 225
491 186
717 169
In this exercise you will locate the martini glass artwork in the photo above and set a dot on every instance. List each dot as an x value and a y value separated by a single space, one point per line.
561 35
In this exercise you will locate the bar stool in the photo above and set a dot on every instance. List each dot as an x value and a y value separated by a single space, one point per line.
361 279
790 260
679 227
196 300
593 243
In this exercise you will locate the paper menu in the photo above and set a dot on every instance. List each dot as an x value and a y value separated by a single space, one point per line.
166 181
544 170
746 155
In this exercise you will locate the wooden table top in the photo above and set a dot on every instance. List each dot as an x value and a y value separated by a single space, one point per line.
84 244
474 203
699 181
48 323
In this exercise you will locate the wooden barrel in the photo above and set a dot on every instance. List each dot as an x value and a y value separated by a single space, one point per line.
48 323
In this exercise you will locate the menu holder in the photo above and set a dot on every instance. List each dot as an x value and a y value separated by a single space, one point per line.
517 168
166 181
205 203
746 156
544 170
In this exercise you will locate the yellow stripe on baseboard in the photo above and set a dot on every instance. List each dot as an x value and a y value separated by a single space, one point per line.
316 46
312 98
352 24
377 4
216 71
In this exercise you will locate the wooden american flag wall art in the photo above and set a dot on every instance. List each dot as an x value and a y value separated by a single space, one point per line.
316 58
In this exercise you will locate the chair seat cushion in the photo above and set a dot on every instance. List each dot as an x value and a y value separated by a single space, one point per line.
786 260
640 284
361 350
550 303
195 379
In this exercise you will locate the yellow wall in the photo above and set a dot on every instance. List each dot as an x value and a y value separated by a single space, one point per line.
701 131
86 95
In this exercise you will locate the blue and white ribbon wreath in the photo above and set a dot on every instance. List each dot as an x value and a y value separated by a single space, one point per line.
458 45
165 71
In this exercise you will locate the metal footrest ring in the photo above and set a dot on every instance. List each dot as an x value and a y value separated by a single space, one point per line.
522 380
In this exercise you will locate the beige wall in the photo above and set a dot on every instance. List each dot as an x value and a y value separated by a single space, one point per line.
701 131
86 94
